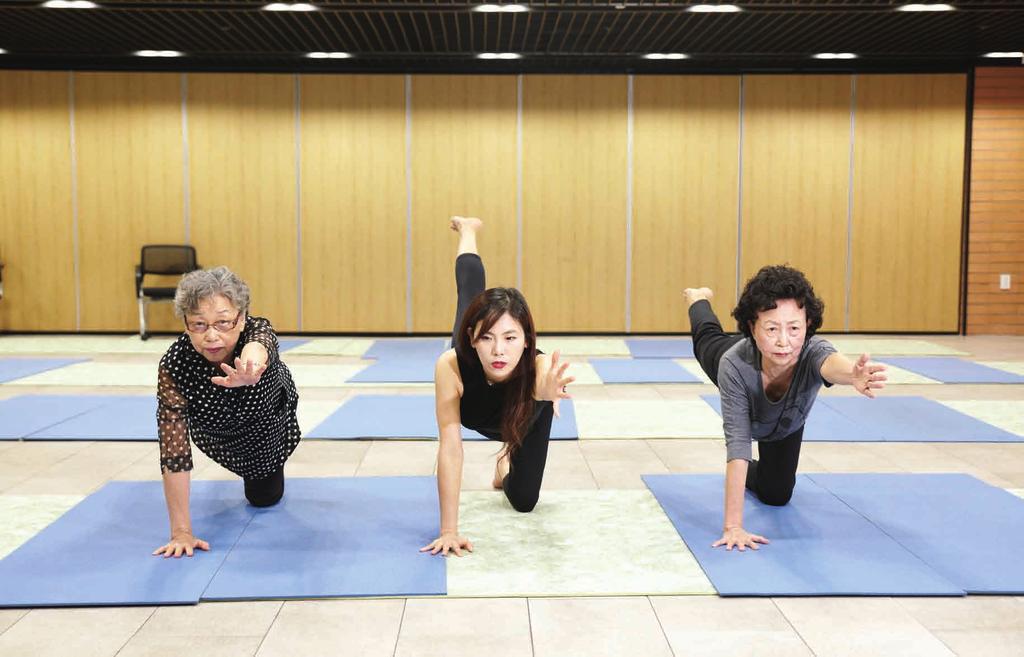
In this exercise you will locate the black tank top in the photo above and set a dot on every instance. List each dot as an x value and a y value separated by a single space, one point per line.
482 406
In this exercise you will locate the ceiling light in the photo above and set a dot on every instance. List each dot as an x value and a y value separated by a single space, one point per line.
329 55
835 55
70 4
924 7
499 55
1007 55
508 9
666 55
2 51
714 9
286 6
159 53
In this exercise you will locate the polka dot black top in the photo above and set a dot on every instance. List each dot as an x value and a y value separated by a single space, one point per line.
250 430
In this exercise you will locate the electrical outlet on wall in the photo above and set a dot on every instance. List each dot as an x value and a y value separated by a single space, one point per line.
1004 281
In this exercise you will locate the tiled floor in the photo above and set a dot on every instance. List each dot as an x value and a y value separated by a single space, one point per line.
38 478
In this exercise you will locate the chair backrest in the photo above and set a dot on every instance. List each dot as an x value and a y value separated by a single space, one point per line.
168 259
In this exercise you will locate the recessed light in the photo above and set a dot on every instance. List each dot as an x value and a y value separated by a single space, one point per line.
925 7
714 9
159 53
289 6
2 51
70 4
499 55
1007 55
329 55
835 55
666 55
508 9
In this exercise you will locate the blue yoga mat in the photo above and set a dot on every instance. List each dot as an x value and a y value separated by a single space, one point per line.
336 537
18 368
819 546
290 343
408 348
25 415
643 370
411 416
891 419
120 417
100 552
396 371
965 529
954 370
660 348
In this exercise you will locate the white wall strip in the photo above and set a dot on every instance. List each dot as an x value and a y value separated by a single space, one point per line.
519 181
74 204
408 204
739 206
186 183
629 202
298 195
849 203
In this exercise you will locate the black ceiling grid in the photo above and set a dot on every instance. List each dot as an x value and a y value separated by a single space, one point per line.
445 36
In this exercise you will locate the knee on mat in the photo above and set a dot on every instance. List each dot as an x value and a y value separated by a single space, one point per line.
523 503
777 497
263 501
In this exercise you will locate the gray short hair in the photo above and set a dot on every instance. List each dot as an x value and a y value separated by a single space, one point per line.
197 286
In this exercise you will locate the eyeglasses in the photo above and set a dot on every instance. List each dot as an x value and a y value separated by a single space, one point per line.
221 326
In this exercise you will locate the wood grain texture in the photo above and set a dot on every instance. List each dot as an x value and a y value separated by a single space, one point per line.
796 172
130 190
36 215
353 203
463 163
574 201
243 184
908 186
685 199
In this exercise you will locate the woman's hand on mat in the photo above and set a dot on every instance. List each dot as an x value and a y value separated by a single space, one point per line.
554 382
181 543
741 538
449 542
868 376
240 375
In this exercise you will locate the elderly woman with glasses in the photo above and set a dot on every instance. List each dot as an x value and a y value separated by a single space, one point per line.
223 387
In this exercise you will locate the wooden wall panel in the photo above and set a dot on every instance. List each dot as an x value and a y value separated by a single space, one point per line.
996 241
907 207
242 169
685 198
353 203
463 163
130 166
574 201
796 172
36 216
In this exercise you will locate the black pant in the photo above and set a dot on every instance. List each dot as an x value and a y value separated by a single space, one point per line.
265 492
526 467
773 476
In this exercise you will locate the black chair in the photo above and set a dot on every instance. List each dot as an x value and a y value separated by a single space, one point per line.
163 260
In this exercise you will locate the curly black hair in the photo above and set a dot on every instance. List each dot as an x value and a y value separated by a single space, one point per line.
772 283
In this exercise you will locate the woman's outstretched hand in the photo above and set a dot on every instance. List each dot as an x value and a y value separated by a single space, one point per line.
448 542
181 543
553 384
239 375
868 376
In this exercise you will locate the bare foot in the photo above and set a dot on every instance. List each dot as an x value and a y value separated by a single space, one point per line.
500 470
459 224
695 294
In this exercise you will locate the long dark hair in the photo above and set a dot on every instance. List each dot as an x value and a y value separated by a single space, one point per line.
486 309
776 282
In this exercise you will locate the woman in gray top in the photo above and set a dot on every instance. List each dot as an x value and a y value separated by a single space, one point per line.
769 377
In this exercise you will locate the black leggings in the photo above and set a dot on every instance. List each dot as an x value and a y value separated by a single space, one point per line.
265 492
526 467
773 476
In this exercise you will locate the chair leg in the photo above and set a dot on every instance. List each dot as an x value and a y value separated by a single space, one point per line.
142 319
